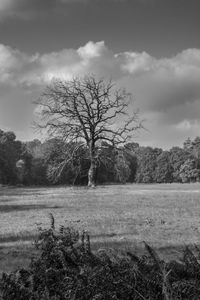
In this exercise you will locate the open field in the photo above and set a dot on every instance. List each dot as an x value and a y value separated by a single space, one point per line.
120 216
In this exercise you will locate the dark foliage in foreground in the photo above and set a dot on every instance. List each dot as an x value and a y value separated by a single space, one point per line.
67 269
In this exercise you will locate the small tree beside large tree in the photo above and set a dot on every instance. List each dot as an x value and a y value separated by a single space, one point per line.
86 112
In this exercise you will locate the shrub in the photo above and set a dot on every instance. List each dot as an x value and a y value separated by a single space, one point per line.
67 268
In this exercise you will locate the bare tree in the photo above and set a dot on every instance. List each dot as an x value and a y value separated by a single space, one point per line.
88 111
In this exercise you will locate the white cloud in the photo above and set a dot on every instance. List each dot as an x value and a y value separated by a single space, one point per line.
135 63
12 62
166 88
188 125
160 83
184 125
91 50
19 68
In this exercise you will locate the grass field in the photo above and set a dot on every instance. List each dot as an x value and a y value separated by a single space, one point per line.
167 216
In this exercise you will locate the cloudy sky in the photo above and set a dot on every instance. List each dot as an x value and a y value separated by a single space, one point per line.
150 47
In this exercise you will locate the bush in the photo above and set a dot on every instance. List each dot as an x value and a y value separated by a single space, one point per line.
67 268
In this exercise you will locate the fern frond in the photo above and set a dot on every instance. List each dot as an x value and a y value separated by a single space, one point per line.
87 243
61 230
133 257
154 256
190 258
52 220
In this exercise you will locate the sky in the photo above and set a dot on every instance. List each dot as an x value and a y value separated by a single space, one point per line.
150 47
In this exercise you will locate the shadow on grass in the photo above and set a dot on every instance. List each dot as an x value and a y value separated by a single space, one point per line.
16 191
17 238
107 241
97 244
9 208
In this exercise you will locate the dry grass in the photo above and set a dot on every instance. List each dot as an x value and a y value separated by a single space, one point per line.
121 216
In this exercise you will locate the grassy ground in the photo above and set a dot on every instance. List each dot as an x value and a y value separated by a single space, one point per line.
121 216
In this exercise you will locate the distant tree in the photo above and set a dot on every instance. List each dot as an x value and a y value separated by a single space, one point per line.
27 157
87 112
10 151
38 172
188 171
146 157
187 145
35 148
20 166
122 168
193 147
106 163
35 155
196 151
178 156
163 170
131 151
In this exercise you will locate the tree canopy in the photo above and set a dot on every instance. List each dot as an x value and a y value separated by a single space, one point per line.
36 162
87 111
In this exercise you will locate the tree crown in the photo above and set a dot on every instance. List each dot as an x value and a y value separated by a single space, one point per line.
89 110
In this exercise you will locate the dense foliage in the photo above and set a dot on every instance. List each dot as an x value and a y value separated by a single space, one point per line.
10 152
67 268
36 163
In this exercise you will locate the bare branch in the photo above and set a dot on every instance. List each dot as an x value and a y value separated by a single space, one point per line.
87 110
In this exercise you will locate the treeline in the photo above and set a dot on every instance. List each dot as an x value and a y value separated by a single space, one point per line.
58 162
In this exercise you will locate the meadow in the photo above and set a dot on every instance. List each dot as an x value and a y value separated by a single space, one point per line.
166 216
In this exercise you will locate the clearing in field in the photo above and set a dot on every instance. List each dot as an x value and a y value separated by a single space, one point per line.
120 216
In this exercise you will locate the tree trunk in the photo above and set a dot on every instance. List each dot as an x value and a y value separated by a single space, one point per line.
92 169
91 174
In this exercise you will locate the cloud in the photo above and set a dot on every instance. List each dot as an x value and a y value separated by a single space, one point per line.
166 90
163 84
168 82
187 125
19 68
12 62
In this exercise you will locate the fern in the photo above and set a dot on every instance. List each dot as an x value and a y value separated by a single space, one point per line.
66 268
52 219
